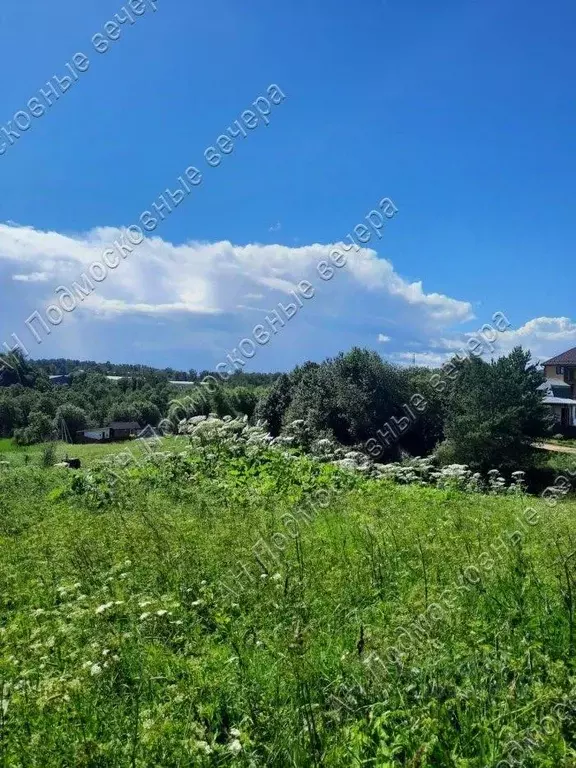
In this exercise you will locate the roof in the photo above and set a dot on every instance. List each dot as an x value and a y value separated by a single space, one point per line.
124 425
556 388
565 358
558 401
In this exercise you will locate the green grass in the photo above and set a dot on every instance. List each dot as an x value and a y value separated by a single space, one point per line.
567 442
561 462
389 626
89 453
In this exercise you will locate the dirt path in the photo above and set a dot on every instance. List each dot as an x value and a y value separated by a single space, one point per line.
554 447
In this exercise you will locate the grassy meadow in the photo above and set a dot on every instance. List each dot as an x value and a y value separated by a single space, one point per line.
226 607
88 453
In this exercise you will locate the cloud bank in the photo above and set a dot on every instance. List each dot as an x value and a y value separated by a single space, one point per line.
216 292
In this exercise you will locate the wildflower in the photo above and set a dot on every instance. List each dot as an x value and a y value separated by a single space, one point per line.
95 669
276 577
104 607
161 612
144 603
235 732
197 602
144 615
204 746
235 747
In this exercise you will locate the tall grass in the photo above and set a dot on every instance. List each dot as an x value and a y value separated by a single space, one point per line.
175 615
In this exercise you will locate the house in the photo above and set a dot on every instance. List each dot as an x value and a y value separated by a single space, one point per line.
95 435
559 389
122 430
116 430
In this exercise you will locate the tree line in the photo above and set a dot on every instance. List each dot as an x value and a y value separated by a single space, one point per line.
486 415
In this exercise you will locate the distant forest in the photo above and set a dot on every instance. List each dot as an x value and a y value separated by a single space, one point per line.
63 366
34 409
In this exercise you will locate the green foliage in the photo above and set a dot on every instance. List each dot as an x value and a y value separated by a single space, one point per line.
203 609
494 412
273 405
48 455
221 400
73 417
124 411
348 397
40 428
10 416
428 431
143 395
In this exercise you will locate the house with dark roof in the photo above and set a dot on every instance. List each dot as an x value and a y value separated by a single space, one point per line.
559 389
122 430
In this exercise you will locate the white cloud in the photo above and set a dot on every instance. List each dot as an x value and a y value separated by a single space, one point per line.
544 336
212 292
32 277
160 278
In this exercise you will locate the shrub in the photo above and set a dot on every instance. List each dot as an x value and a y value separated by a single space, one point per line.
48 455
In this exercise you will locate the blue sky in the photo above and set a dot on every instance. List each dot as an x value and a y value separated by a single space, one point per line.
461 112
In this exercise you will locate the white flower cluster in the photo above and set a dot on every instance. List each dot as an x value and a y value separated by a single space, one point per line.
453 476
204 430
207 432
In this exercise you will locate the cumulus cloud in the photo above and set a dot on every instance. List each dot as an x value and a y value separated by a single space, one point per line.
209 293
161 278
544 336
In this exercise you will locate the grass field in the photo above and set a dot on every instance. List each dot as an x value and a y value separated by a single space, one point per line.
88 453
252 609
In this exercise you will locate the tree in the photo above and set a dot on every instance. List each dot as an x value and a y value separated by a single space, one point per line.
426 431
350 396
40 426
242 401
494 413
73 417
272 407
148 413
10 416
15 369
124 411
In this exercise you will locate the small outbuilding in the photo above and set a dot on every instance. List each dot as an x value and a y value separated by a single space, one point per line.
123 430
94 435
